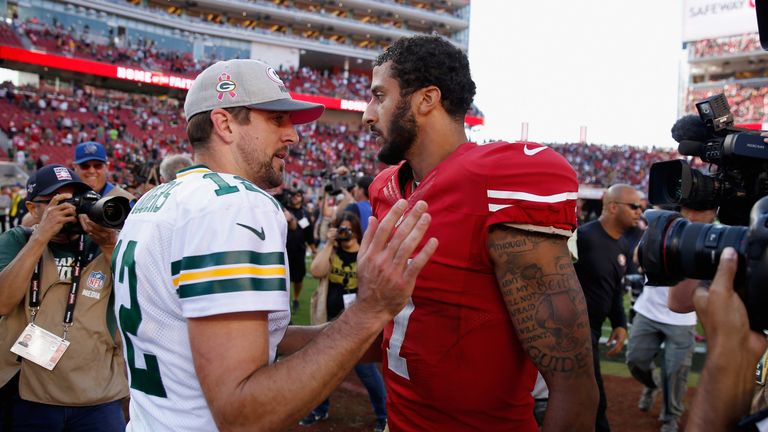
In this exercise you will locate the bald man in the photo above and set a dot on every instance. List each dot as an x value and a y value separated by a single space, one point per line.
603 257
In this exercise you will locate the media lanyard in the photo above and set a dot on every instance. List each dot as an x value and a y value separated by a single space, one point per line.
34 288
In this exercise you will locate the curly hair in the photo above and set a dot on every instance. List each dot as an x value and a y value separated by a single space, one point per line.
421 61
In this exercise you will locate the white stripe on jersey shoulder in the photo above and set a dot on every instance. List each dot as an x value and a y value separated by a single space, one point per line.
525 196
541 229
195 170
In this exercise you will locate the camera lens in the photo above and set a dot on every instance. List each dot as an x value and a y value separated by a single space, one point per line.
673 249
110 212
113 213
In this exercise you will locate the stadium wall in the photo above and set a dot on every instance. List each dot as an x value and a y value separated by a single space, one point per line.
276 56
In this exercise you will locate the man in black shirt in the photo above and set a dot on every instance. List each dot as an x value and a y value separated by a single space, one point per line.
603 256
299 236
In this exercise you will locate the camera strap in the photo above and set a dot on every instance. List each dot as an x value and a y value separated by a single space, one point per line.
34 287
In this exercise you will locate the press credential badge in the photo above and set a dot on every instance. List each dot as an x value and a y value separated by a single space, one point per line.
40 346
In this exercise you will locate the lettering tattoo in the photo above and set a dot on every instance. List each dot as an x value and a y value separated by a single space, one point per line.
543 296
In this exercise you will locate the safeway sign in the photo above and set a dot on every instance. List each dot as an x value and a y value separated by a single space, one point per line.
709 19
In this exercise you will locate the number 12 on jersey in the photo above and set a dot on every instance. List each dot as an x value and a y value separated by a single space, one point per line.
396 363
146 380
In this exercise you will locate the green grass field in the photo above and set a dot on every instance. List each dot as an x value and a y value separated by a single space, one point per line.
301 317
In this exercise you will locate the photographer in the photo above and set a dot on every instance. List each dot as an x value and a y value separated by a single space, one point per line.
728 378
336 267
656 324
74 382
91 165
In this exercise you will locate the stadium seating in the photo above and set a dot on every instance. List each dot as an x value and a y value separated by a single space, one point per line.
725 46
748 103
9 37
146 128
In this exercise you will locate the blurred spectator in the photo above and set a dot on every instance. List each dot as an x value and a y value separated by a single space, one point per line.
748 103
91 166
725 45
5 206
171 164
15 213
299 237
362 205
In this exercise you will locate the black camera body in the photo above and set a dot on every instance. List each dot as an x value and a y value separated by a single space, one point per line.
673 249
634 283
741 157
344 233
336 183
109 212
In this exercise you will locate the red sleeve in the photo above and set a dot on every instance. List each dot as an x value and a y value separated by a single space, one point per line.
526 185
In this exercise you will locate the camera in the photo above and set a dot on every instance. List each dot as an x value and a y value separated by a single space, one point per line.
741 158
634 283
336 183
109 212
673 249
344 233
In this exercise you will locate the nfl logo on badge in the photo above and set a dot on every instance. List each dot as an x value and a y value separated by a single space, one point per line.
96 280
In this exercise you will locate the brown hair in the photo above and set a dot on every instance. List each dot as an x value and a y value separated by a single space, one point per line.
353 220
200 126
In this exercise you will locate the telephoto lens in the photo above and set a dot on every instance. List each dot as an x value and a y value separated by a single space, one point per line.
673 248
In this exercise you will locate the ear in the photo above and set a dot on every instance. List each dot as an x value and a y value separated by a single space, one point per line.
223 125
427 100
31 207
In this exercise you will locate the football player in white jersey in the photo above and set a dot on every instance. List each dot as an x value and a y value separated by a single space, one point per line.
201 273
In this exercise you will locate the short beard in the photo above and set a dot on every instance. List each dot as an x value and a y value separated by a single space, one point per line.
265 177
401 134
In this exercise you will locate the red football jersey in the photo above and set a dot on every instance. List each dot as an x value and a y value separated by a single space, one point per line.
452 359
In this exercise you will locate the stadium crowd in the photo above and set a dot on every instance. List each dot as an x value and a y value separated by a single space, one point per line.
144 52
725 46
748 103
139 129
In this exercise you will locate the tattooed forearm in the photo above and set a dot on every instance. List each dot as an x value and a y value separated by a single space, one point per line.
543 297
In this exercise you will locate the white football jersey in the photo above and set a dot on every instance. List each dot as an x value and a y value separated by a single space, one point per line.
204 244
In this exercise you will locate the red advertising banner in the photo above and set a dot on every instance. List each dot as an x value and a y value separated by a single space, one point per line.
90 67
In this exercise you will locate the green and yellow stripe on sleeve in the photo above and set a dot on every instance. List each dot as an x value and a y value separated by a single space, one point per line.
226 272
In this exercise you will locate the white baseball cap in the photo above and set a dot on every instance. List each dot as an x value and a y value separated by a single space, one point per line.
248 83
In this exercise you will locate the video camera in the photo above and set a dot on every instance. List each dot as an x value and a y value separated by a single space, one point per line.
672 248
109 212
741 157
335 183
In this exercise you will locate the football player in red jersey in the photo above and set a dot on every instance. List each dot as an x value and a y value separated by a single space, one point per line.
499 298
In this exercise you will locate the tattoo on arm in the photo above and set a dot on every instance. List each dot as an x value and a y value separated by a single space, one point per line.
543 297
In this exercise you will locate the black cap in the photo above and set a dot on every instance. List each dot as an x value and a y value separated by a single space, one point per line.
51 178
364 181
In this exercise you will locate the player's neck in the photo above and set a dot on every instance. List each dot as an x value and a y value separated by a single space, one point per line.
433 145
218 161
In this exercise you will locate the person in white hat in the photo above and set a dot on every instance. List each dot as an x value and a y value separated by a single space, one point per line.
201 275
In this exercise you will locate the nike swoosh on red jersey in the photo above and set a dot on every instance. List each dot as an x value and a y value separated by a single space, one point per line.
533 151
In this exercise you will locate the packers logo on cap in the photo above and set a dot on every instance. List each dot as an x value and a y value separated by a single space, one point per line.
225 86
274 76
